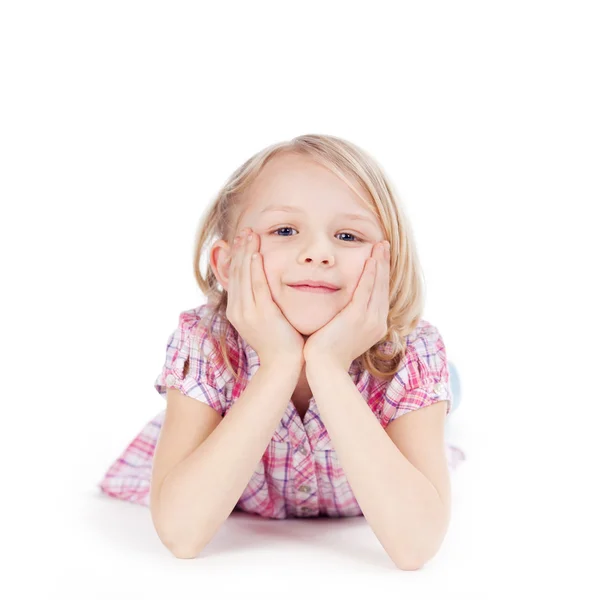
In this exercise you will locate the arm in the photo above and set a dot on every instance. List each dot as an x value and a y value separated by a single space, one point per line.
198 495
400 504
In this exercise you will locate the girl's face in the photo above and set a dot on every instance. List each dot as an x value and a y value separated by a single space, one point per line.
308 224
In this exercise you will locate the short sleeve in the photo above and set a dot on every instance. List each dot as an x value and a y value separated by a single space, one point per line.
423 378
190 365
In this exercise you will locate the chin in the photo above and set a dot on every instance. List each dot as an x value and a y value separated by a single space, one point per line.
306 330
308 313
307 324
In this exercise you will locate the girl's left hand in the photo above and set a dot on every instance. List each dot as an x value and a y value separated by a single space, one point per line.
362 323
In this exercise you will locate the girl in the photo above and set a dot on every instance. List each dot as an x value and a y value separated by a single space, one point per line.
308 384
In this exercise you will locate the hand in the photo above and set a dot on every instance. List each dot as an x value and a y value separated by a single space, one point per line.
362 323
251 309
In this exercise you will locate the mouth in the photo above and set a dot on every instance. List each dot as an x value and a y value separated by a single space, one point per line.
314 290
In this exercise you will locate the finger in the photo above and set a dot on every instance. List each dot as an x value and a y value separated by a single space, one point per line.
375 278
260 285
364 289
236 270
233 281
381 293
262 292
247 295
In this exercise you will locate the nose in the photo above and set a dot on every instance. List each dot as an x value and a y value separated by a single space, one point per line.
324 260
319 256
317 249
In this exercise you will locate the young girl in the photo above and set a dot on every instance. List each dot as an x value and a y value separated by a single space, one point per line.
308 384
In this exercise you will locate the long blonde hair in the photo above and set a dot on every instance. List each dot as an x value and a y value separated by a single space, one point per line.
353 166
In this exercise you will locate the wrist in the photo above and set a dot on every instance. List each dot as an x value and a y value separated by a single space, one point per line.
283 363
328 363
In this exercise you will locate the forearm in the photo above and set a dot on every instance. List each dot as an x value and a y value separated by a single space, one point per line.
400 504
202 491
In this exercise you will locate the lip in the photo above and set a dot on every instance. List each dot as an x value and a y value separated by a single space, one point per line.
315 283
314 289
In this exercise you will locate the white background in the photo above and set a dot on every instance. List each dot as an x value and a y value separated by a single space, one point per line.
119 122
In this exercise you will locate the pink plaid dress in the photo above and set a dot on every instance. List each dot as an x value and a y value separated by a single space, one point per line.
299 474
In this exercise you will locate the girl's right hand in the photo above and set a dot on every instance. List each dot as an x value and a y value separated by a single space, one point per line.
252 311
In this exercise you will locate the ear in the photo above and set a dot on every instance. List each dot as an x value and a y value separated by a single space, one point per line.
219 259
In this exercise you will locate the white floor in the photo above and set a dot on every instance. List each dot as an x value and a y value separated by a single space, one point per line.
76 542
119 551
113 551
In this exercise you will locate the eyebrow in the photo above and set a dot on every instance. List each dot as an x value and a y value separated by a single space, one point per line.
291 209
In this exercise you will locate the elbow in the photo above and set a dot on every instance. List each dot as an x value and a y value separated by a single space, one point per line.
181 549
178 548
413 560
410 565
423 549
173 541
183 552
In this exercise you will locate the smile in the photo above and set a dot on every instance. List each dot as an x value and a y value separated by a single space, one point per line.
314 290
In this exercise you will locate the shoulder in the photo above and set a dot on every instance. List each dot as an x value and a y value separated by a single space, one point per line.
422 377
203 324
424 350
199 336
426 345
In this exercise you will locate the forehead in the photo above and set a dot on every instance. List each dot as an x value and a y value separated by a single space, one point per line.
298 183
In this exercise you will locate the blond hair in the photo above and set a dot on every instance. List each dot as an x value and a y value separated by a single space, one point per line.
353 166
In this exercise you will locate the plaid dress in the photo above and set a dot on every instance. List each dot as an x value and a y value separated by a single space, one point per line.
299 474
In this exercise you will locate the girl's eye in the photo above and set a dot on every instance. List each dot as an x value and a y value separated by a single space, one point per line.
356 239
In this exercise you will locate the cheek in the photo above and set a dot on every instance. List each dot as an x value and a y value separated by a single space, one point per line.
273 269
355 271
357 264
